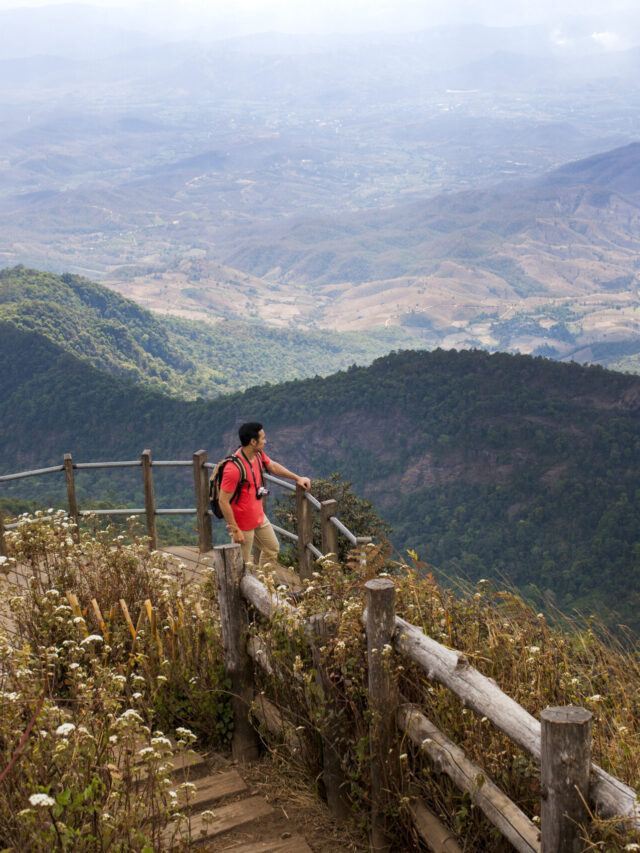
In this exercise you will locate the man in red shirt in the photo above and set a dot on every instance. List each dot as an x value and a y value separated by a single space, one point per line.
245 518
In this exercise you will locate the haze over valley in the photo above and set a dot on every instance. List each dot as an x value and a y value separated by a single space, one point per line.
414 180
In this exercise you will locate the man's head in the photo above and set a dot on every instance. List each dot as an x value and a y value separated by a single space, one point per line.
249 431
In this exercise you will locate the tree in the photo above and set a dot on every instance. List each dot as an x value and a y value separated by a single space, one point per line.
354 512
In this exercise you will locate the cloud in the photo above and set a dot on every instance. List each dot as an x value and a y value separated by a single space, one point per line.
607 40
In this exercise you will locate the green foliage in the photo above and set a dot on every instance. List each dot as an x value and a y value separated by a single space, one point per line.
356 514
487 465
169 354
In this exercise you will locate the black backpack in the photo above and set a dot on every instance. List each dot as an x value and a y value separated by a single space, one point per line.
216 479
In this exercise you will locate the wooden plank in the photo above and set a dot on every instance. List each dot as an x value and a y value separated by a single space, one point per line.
294 844
187 761
609 796
434 833
213 788
183 763
226 818
190 556
449 758
270 716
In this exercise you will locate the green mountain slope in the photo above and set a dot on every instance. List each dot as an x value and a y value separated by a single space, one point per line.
485 464
170 354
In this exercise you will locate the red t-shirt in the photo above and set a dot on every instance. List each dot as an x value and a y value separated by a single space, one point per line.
247 511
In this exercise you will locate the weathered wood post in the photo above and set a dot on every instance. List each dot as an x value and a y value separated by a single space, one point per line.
71 488
201 484
305 533
3 544
329 509
565 767
383 703
323 627
149 500
229 567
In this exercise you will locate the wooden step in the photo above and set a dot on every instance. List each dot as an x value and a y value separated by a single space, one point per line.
213 788
226 818
293 844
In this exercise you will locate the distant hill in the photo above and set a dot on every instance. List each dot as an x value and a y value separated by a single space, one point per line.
617 171
172 355
547 266
486 465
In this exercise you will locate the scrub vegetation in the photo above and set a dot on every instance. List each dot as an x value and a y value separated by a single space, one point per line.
102 710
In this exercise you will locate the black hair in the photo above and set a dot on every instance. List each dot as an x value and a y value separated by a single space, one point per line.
248 431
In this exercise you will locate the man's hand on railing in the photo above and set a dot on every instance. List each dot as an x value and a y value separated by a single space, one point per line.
305 482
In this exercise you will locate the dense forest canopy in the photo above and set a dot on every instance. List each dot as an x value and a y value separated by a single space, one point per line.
484 464
173 355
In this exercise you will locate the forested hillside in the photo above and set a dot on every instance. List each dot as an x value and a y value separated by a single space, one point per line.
483 464
173 355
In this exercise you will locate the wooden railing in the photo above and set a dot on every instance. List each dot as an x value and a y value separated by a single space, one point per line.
331 526
560 743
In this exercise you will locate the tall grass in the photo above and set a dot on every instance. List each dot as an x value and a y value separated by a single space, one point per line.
109 662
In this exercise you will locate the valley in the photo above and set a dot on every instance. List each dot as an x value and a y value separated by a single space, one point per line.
339 184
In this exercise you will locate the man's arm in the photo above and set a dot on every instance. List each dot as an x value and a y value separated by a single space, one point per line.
225 505
279 470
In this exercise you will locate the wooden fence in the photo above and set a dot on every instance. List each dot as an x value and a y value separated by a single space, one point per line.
331 525
560 742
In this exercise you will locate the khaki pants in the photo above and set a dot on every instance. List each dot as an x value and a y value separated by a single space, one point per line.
265 540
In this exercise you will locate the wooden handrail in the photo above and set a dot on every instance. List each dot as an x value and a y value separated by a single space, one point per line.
308 551
611 797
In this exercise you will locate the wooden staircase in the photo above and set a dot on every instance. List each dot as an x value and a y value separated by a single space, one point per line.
222 813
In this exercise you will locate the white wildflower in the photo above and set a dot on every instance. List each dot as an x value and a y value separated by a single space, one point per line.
42 800
147 752
65 730
92 638
187 734
130 714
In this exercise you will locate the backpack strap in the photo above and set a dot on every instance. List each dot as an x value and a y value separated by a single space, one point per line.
243 476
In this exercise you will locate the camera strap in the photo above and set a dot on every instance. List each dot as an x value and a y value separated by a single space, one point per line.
253 473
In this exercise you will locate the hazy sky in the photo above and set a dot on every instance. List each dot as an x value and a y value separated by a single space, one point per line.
488 11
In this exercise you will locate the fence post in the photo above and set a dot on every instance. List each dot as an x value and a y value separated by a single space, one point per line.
201 483
383 703
334 779
565 767
329 532
305 533
229 567
3 544
71 488
149 500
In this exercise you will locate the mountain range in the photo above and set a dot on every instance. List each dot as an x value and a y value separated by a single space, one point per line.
487 465
411 179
